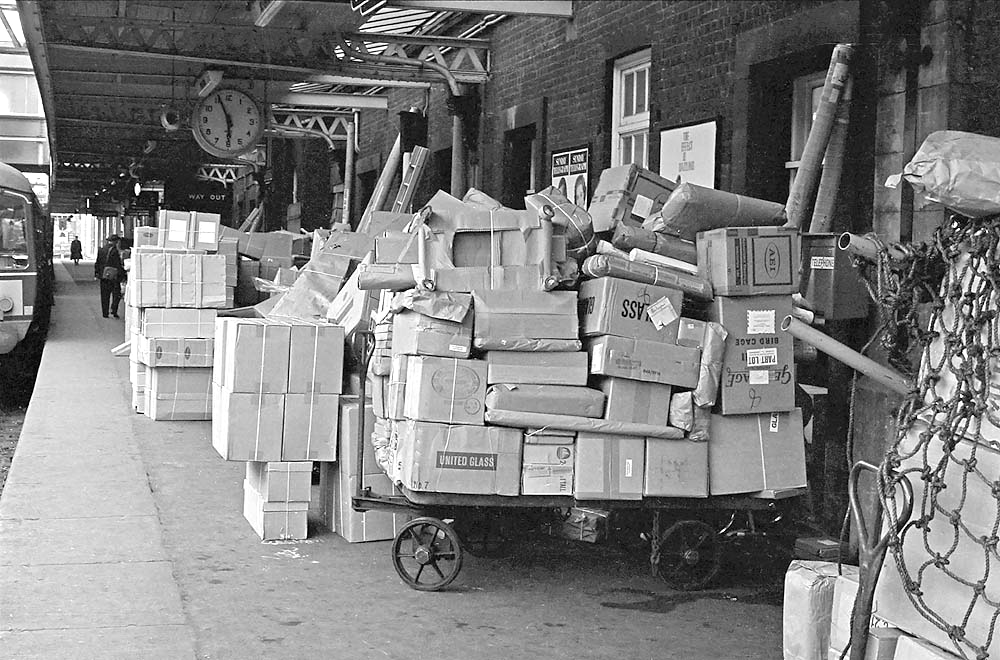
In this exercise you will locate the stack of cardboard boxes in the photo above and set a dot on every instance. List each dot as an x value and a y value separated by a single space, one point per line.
174 290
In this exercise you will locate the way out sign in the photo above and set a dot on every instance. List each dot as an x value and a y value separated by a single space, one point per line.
570 172
687 154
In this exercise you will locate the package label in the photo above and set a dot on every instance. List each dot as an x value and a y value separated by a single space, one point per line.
760 322
821 263
643 206
758 377
662 313
762 357
773 424
466 461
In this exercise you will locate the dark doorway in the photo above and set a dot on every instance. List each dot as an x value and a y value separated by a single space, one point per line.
366 186
518 165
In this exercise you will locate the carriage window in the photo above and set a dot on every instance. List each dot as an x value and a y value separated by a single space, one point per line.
13 239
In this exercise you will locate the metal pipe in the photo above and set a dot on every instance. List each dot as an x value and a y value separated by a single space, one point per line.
892 380
833 166
381 192
866 248
449 78
458 188
348 201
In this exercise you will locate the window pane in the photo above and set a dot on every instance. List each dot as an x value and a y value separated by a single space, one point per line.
640 149
628 95
641 87
625 154
13 242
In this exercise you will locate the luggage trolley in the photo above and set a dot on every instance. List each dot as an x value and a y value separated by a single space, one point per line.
427 553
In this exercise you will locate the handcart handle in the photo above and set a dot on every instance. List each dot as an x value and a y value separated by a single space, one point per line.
364 347
549 280
864 533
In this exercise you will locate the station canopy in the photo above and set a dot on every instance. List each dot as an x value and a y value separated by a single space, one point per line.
120 78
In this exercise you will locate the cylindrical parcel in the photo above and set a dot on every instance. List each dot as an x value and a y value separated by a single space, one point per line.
691 209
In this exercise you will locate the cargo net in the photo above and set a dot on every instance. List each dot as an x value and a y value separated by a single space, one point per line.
939 302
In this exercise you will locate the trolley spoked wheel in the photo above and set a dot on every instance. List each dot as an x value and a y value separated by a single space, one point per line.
689 555
426 554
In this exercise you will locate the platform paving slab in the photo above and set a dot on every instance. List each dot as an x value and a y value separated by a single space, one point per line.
160 642
80 540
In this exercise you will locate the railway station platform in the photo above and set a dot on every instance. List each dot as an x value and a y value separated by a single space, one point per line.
121 537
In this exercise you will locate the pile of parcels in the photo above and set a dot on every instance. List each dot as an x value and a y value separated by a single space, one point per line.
818 604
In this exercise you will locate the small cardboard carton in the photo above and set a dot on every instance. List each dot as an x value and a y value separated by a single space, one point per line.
309 431
547 469
445 390
608 467
636 401
172 279
176 393
648 361
362 527
516 367
442 458
808 604
568 400
612 306
255 355
627 194
316 358
419 334
275 521
758 367
173 351
746 261
881 636
532 314
676 468
247 426
145 236
281 481
752 453
163 322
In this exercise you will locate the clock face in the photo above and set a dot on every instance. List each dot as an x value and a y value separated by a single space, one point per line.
227 122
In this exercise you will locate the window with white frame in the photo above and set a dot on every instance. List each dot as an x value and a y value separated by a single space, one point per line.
630 110
806 93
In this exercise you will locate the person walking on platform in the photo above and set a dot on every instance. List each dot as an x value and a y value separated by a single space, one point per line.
76 251
109 270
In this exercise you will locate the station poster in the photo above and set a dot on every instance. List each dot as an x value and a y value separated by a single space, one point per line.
687 154
571 174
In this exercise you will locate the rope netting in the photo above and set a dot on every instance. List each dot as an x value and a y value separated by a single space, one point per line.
941 302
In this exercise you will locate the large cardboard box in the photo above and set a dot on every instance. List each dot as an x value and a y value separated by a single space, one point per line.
255 354
547 469
636 401
274 521
536 368
568 400
608 467
758 368
648 361
747 261
247 426
173 351
845 591
316 358
165 322
419 334
533 314
752 453
172 279
808 604
627 194
445 390
309 431
177 393
676 468
281 481
442 458
193 230
612 306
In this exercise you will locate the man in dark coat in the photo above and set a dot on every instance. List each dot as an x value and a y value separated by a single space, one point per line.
76 251
111 272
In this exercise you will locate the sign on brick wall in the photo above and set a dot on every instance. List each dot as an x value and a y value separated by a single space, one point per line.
571 172
687 154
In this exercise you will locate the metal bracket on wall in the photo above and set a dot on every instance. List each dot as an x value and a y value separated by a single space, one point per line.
223 173
330 127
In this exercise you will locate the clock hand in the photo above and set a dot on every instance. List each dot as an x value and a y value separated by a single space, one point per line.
229 120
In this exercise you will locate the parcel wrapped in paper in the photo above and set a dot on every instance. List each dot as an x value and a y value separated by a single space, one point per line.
567 399
712 352
578 226
480 200
691 209
681 411
527 344
601 265
523 420
960 170
445 306
627 238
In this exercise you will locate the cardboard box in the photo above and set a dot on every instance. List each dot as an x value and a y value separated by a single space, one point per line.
361 527
536 368
252 244
911 648
458 459
172 279
748 261
163 322
691 332
648 361
881 636
139 398
808 605
830 282
612 306
418 334
348 443
608 467
752 453
173 351
136 373
758 368
309 431
176 393
445 390
579 401
142 236
274 521
193 230
533 314
247 426
396 392
315 358
255 354
820 548
549 437
627 194
676 468
547 469
636 401
281 481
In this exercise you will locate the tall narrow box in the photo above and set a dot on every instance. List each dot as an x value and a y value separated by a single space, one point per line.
309 431
316 359
752 453
608 467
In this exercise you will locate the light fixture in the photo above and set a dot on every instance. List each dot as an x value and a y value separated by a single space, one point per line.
207 82
137 188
